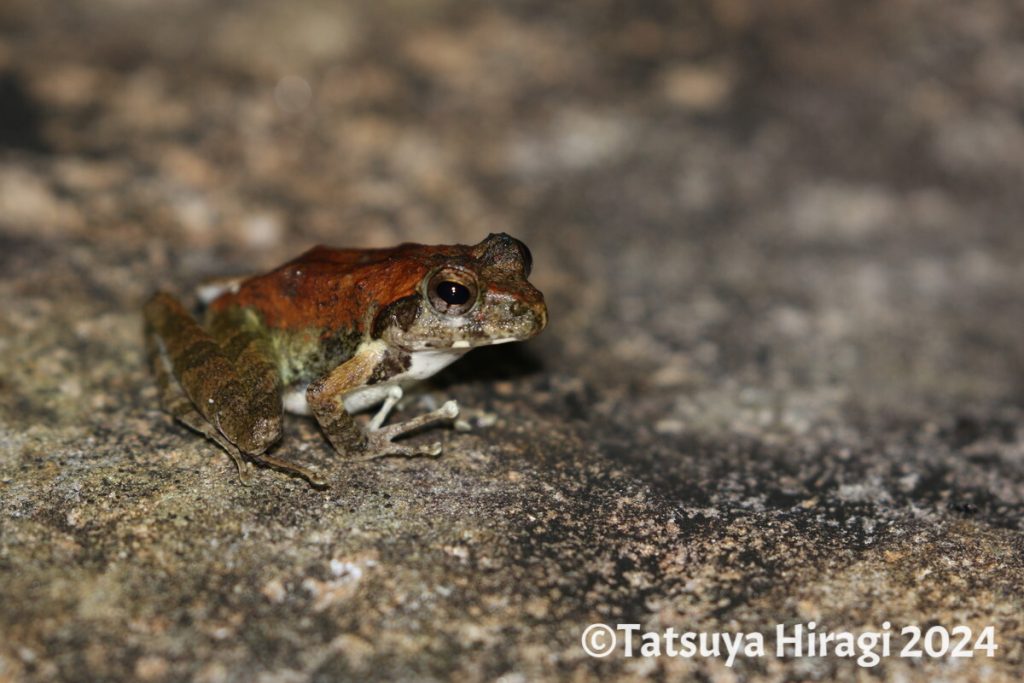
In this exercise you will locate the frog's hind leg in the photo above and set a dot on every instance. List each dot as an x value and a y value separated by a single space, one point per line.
251 357
224 392
180 406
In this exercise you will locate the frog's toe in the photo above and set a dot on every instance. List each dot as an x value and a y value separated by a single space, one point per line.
285 466
432 450
244 473
380 445
450 409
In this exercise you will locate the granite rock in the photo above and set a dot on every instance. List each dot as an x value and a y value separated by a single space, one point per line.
783 380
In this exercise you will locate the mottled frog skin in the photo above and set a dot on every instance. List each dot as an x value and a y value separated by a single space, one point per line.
332 333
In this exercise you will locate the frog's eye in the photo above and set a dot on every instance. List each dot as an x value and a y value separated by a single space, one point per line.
527 258
452 292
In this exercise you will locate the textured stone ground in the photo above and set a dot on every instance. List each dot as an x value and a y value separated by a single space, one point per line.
783 380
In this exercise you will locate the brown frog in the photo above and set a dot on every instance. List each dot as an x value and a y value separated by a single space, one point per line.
332 333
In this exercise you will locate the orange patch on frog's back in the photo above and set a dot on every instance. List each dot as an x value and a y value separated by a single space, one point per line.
339 289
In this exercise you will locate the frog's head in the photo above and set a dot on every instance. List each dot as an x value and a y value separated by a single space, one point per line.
470 296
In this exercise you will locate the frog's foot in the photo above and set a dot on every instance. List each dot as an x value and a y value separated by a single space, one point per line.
187 414
380 443
244 470
289 467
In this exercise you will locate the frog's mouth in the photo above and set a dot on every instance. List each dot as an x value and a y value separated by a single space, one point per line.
466 344
459 345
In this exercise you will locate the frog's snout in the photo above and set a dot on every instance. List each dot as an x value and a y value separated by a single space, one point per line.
540 313
531 316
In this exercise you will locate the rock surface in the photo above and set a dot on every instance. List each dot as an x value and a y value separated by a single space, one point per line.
783 382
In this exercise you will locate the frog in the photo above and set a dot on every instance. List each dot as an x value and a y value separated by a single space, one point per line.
332 334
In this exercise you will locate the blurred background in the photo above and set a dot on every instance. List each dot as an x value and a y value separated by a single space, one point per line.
782 249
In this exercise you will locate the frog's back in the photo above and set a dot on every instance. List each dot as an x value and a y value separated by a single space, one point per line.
335 290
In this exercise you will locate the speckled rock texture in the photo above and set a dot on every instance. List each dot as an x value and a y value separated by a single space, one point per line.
783 381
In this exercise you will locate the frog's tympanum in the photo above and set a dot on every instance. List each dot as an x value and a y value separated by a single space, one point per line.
332 333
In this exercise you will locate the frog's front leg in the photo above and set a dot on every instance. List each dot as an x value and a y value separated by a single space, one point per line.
221 384
325 398
394 395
